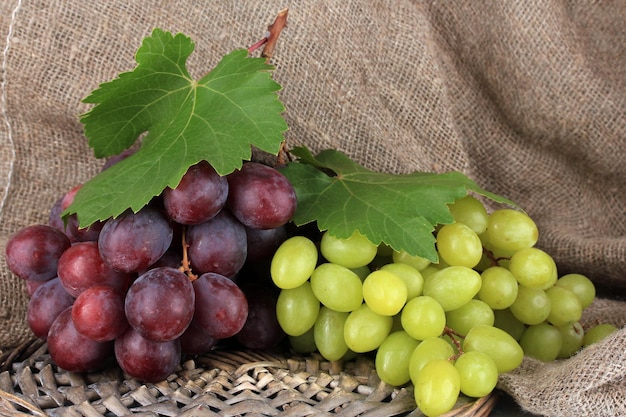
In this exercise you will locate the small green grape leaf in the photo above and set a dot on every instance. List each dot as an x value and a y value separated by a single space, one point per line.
399 210
217 118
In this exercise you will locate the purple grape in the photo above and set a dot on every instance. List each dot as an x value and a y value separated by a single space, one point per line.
31 286
72 228
71 350
160 304
145 359
33 252
134 241
199 196
81 267
112 160
172 258
98 313
221 306
196 340
82 234
54 216
260 196
261 330
46 303
218 245
262 243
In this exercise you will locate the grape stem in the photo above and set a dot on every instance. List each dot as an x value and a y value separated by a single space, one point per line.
455 337
185 264
492 259
258 44
283 154
271 37
269 40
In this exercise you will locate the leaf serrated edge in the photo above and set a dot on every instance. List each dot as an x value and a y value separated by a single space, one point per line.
306 157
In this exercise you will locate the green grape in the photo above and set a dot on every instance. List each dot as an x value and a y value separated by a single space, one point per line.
392 358
470 211
498 288
542 341
293 262
438 387
328 334
478 373
397 323
597 333
412 278
365 330
572 336
499 255
426 351
304 343
454 341
485 262
503 261
362 272
384 292
484 239
337 287
532 305
581 286
506 321
511 230
497 344
458 245
428 272
423 317
441 264
453 286
565 306
416 262
471 314
352 252
297 309
533 268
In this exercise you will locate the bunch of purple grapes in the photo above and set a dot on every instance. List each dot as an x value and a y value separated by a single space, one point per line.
146 288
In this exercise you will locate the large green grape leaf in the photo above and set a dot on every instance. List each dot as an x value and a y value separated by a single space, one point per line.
217 118
399 210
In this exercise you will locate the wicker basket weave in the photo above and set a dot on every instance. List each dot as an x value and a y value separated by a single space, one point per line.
219 383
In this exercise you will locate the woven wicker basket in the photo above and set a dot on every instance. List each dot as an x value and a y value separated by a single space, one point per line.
219 383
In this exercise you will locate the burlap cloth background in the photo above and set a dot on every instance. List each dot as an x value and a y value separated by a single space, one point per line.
527 98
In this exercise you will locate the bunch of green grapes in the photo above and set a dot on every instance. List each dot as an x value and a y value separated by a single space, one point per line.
449 328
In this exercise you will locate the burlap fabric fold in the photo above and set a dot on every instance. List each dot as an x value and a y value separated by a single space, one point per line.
527 98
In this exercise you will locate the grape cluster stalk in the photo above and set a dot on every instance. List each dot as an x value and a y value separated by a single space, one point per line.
447 329
147 287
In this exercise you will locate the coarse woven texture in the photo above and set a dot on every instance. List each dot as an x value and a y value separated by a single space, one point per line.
219 383
527 99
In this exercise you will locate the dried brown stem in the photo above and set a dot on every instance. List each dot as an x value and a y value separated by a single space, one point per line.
271 38
283 154
257 44
454 336
185 264
274 32
492 259
269 43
